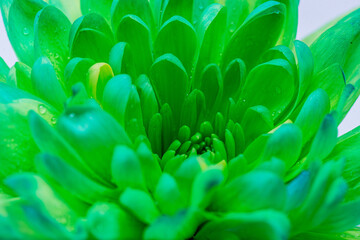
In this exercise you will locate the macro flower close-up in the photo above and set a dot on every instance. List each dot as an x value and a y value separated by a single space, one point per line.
177 119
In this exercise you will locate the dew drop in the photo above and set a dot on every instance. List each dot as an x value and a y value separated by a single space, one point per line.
42 109
244 100
56 56
26 31
53 120
71 115
201 7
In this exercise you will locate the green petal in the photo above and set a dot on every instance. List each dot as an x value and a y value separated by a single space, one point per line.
255 149
256 121
97 78
340 44
179 226
334 45
151 164
297 190
76 71
34 222
265 225
23 101
20 76
51 33
279 52
291 22
211 84
7 229
148 101
269 17
140 204
71 8
94 134
41 132
285 143
94 27
211 38
204 187
168 126
34 189
121 59
102 7
193 111
186 174
236 167
140 8
253 191
325 139
237 11
323 196
234 78
122 100
332 80
17 149
73 180
271 85
126 169
239 138
305 67
45 83
312 113
4 70
108 221
172 8
79 95
344 217
155 133
172 92
17 146
347 147
229 144
135 32
177 36
19 22
168 195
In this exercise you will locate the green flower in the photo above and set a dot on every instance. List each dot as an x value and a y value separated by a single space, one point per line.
152 119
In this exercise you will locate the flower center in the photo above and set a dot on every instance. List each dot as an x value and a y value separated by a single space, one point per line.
213 144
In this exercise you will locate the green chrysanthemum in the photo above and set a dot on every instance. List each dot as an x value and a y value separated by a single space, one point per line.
177 119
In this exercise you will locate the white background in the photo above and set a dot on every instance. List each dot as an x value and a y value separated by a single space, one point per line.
312 15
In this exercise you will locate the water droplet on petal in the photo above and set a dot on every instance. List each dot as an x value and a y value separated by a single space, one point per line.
42 109
201 7
53 120
26 31
71 115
